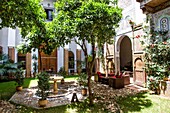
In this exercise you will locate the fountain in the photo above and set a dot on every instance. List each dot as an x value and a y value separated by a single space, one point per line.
62 97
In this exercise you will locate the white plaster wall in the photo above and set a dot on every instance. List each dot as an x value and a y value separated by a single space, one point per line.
8 38
4 40
18 37
1 38
60 57
88 48
46 2
11 37
135 14
139 16
16 56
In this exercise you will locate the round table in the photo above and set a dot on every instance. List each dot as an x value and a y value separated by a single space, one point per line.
55 79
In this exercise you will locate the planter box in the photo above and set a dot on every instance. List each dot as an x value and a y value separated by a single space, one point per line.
116 83
165 88
126 79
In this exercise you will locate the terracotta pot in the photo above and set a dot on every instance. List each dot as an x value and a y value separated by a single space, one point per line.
165 78
42 103
62 81
19 88
157 91
84 91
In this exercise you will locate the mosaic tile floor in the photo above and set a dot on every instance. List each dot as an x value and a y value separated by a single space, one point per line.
28 98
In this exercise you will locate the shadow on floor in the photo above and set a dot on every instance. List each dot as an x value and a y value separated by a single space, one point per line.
134 103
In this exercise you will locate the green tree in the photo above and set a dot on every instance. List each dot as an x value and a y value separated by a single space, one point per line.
85 22
41 38
30 17
23 14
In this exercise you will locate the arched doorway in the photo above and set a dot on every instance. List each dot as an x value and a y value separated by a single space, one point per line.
125 54
71 62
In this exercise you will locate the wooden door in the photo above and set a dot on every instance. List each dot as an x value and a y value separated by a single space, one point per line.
139 73
11 53
49 62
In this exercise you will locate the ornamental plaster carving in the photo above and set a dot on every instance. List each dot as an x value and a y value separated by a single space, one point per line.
162 12
162 19
124 3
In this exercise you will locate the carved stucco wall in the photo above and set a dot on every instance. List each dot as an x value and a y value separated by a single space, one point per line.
124 3
131 11
159 15
127 13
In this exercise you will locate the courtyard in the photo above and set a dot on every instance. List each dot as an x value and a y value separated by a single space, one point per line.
54 52
106 100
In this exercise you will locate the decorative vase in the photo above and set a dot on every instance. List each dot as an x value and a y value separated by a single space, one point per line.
62 81
157 91
19 88
165 78
42 103
84 91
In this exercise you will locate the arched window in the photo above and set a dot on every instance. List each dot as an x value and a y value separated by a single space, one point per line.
1 50
71 60
164 24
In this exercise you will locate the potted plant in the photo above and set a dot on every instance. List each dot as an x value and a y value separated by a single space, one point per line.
19 79
154 84
7 68
43 88
82 80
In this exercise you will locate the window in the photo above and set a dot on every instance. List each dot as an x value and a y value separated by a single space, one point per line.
0 50
49 15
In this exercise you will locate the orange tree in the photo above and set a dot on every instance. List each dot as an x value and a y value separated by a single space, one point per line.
86 22
21 13
30 17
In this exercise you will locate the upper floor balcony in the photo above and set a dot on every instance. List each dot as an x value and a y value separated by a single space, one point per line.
152 6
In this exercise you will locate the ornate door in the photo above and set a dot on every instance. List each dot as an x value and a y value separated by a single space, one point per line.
49 62
139 73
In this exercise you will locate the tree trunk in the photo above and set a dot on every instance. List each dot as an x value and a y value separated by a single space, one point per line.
40 60
89 86
88 71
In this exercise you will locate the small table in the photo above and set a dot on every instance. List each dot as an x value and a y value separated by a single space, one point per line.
55 79
116 83
105 80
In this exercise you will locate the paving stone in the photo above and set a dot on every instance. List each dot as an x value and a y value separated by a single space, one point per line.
6 107
27 96
103 94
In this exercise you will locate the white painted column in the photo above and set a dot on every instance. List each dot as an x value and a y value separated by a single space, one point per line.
105 55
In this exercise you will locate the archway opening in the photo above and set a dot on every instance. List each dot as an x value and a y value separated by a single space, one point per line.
126 55
71 62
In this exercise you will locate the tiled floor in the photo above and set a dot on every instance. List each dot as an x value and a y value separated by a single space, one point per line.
27 96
